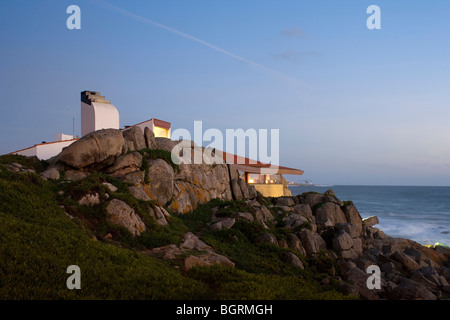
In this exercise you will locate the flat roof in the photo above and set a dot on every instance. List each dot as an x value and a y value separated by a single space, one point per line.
254 166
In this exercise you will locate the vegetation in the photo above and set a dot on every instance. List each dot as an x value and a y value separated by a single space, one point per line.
159 154
39 241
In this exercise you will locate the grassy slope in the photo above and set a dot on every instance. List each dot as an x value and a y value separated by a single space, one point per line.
38 242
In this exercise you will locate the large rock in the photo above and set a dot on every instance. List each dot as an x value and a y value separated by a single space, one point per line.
192 242
236 189
410 290
134 139
312 199
136 178
252 193
352 215
356 283
223 224
292 259
267 238
93 148
342 242
125 164
312 242
234 173
160 181
329 214
74 175
244 189
123 215
263 214
51 173
408 263
90 200
165 143
149 137
285 201
294 220
139 192
182 201
370 221
295 243
208 259
304 210
160 215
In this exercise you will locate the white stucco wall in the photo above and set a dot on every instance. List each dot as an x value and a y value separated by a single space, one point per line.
148 123
106 116
87 119
62 137
97 116
159 132
45 151
30 152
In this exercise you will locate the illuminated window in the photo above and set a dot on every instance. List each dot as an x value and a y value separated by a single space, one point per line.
161 132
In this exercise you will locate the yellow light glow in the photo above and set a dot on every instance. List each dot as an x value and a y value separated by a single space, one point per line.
161 132
251 181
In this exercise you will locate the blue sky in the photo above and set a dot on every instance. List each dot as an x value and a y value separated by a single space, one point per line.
353 105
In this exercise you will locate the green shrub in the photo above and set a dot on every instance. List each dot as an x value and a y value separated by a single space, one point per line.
28 162
159 154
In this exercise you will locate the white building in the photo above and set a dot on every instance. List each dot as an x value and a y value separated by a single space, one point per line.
96 114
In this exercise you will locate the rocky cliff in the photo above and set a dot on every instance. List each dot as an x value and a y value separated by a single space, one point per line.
130 156
238 225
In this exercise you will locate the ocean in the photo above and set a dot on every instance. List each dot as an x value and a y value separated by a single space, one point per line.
421 214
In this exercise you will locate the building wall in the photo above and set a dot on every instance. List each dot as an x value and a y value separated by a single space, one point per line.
106 116
270 190
158 131
63 137
45 151
30 152
97 116
87 118
148 123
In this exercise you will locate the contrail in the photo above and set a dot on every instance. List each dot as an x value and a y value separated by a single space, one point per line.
205 43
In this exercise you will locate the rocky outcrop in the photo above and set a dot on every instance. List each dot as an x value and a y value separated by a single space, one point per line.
94 147
313 225
191 243
160 181
134 139
115 152
149 137
321 224
127 163
123 215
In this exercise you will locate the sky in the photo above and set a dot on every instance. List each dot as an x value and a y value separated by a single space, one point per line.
354 106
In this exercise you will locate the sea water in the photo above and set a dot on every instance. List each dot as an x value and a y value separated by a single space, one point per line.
421 214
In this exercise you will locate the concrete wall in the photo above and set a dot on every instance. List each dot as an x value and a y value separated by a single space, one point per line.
30 152
158 131
270 190
87 118
63 137
97 116
45 151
